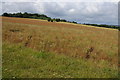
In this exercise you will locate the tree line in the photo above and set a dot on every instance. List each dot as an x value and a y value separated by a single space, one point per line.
49 19
36 16
26 15
104 25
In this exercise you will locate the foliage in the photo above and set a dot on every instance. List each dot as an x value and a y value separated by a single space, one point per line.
104 25
34 16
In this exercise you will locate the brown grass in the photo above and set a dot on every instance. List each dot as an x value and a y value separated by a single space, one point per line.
72 40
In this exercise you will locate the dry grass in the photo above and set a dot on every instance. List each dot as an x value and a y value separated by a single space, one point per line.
78 41
72 40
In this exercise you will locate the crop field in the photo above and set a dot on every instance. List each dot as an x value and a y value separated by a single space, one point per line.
40 49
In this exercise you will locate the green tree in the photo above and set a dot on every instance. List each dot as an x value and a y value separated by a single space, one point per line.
49 19
57 20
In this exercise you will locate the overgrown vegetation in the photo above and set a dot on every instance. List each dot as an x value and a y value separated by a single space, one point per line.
22 62
37 48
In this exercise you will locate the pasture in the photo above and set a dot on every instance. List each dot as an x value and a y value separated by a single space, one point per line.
39 49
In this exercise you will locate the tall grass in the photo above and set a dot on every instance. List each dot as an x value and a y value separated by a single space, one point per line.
22 62
93 51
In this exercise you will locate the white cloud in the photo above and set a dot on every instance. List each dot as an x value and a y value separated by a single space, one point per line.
91 12
61 0
71 10
91 8
39 7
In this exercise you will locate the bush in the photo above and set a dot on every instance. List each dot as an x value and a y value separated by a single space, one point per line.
49 20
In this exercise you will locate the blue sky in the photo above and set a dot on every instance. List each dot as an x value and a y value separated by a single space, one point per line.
90 11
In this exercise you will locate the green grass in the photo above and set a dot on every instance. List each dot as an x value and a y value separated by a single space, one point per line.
22 62
57 50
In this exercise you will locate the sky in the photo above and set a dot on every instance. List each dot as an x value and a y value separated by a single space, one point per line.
89 11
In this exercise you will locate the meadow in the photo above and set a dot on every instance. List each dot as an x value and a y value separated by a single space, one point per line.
40 49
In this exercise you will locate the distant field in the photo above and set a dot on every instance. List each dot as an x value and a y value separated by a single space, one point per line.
37 48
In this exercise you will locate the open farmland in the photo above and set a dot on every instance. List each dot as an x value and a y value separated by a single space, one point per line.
40 49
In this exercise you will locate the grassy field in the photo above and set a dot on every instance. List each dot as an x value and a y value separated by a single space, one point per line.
40 49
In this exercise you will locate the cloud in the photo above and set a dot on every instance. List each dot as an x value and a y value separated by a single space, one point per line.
72 10
82 12
18 7
60 1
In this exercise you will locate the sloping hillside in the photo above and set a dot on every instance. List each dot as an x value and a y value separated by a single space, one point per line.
77 50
